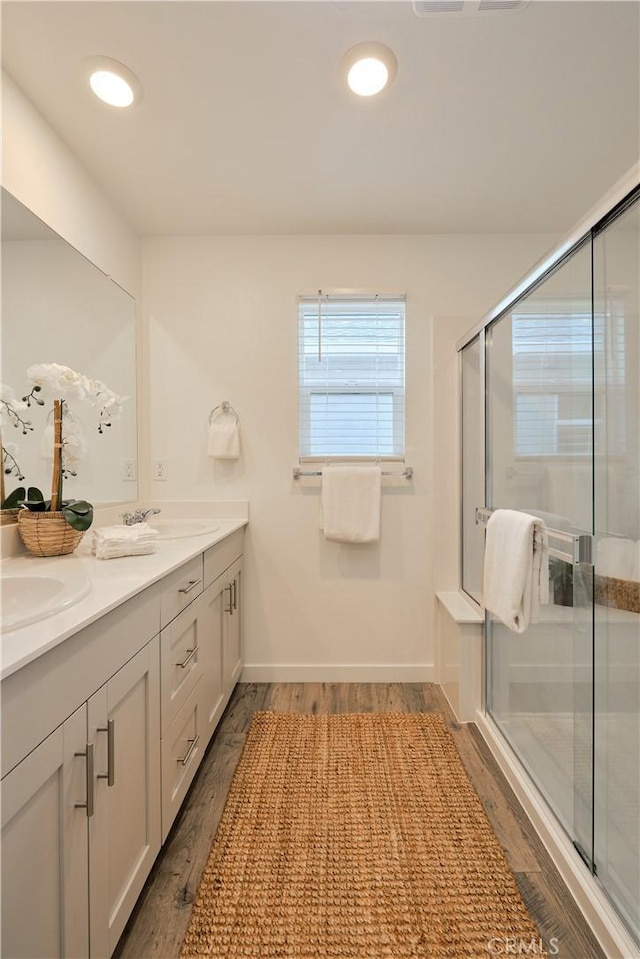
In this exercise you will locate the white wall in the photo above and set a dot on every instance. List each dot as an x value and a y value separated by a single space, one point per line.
221 322
39 170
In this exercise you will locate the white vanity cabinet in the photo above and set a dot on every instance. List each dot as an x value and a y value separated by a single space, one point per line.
124 830
221 645
81 821
101 738
232 651
183 645
223 571
201 654
45 896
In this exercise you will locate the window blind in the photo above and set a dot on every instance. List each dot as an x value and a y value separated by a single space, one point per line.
352 376
566 370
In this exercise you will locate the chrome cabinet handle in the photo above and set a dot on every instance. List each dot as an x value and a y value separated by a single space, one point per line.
192 585
235 594
190 654
110 774
229 608
193 743
89 804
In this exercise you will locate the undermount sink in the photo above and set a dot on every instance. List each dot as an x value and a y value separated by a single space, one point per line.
30 597
179 528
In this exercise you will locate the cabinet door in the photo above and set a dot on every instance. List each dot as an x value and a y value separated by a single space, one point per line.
232 642
214 602
45 907
124 833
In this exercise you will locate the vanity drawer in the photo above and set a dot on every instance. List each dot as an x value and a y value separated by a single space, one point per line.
220 557
179 589
182 748
181 658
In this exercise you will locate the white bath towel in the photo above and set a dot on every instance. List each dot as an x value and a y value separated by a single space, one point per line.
350 504
516 568
224 437
616 557
111 542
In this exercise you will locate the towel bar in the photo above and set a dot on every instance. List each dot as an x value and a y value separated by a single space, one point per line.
581 543
406 473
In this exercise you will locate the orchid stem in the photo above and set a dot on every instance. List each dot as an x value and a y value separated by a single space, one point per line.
56 479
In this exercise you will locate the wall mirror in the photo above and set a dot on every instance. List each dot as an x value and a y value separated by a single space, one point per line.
58 307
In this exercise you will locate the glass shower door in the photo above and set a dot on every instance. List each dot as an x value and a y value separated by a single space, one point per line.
616 258
540 461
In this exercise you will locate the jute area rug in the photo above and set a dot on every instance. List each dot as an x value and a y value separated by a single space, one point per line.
355 836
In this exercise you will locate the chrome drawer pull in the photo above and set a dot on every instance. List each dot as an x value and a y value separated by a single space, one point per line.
191 654
229 608
110 774
194 743
89 804
192 585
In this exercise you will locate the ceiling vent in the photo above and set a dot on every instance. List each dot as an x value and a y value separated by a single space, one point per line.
465 8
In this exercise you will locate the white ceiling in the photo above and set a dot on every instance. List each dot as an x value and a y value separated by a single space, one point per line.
504 123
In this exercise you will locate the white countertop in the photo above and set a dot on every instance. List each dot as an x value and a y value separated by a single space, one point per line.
113 581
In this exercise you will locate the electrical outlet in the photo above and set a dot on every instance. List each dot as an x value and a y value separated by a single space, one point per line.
160 470
129 471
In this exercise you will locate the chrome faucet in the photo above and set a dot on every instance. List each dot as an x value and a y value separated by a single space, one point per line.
138 516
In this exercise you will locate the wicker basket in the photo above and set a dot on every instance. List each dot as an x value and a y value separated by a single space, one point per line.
47 534
8 516
618 593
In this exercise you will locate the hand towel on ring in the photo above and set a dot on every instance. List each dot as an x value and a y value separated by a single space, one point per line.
224 437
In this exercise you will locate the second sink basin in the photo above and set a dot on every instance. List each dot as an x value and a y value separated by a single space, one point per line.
179 528
30 597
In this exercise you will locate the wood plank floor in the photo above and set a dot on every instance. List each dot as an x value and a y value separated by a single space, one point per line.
158 924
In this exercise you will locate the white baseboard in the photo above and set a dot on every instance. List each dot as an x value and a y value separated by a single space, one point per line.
332 673
598 912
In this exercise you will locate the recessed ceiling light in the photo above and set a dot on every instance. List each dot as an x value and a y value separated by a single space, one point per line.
369 68
114 83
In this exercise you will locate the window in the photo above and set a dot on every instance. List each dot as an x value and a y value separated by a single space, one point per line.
351 376
562 363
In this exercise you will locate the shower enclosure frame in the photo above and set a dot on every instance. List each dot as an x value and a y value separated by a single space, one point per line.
595 904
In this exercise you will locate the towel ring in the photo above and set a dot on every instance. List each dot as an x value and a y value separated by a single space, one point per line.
222 409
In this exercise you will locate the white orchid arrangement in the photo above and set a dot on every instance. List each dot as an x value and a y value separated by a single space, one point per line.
63 438
63 383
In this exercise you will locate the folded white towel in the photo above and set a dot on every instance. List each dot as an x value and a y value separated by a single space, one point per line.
224 437
111 542
616 557
350 504
114 553
516 568
137 533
